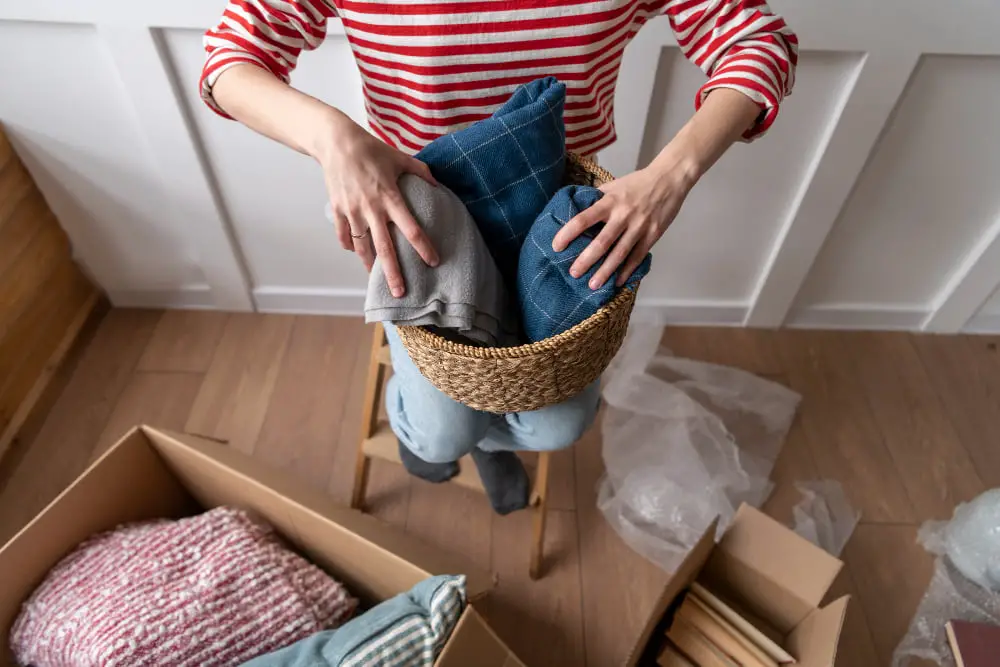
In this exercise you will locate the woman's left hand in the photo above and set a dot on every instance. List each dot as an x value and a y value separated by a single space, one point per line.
636 210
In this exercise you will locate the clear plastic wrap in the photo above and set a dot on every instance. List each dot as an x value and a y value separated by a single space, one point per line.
684 441
824 516
965 582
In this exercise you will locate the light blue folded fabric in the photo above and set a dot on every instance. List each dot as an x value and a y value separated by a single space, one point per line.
408 630
551 300
505 168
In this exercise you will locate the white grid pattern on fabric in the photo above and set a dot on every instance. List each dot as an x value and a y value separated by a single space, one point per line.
491 140
482 181
603 291
538 275
533 174
527 161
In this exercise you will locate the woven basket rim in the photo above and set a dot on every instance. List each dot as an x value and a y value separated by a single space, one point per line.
439 344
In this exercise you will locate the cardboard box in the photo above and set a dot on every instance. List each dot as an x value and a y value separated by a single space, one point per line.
151 473
768 571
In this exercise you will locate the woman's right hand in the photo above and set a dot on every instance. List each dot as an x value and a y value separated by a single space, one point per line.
362 175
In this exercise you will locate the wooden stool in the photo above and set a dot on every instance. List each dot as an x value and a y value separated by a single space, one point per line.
378 441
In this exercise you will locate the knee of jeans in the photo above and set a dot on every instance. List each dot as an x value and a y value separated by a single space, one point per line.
562 425
560 434
447 442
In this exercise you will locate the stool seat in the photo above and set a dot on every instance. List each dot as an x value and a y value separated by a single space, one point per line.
379 442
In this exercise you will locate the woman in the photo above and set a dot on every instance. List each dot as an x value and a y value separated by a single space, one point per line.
430 68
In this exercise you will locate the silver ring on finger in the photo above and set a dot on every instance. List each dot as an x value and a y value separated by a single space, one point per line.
361 236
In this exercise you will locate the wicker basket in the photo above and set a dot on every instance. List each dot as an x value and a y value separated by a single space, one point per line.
527 377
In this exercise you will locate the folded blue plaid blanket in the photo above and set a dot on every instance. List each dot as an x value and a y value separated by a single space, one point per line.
551 300
505 168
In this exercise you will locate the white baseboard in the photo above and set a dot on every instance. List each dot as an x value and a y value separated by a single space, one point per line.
694 313
985 323
857 316
348 301
351 301
193 297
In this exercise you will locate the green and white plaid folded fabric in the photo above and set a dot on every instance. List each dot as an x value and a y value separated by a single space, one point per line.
408 630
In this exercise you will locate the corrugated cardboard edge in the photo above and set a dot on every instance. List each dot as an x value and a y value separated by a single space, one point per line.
816 639
473 642
390 540
806 570
681 578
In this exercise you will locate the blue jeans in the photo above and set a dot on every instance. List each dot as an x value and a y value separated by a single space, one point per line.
439 429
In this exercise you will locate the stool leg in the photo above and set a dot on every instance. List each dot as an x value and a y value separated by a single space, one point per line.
369 418
540 498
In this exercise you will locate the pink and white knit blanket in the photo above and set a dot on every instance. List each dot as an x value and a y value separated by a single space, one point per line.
215 589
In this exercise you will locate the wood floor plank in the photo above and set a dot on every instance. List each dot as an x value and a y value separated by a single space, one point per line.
454 519
163 400
541 621
618 586
61 449
752 350
857 648
301 432
233 400
389 491
961 372
932 463
794 464
891 572
184 340
846 443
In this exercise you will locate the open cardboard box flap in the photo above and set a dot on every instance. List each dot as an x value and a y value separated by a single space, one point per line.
770 572
151 473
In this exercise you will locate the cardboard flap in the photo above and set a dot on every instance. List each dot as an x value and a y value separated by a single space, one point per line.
815 640
128 483
473 643
681 579
768 551
377 559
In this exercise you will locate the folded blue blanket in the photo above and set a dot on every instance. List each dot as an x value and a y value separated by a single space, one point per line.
551 300
505 168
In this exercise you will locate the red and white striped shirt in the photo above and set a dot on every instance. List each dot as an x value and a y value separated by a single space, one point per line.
432 67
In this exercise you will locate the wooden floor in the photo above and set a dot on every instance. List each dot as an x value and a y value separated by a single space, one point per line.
910 425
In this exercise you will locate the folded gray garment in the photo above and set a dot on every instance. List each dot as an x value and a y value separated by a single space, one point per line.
464 293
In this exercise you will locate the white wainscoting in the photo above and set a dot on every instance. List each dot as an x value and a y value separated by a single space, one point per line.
872 203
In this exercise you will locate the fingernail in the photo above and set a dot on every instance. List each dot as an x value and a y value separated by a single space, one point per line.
434 262
574 272
397 292
594 284
556 247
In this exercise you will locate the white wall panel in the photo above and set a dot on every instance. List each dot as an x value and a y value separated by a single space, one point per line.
926 197
992 307
275 196
715 249
872 203
65 109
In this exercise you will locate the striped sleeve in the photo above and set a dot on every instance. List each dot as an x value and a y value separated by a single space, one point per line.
741 45
267 33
